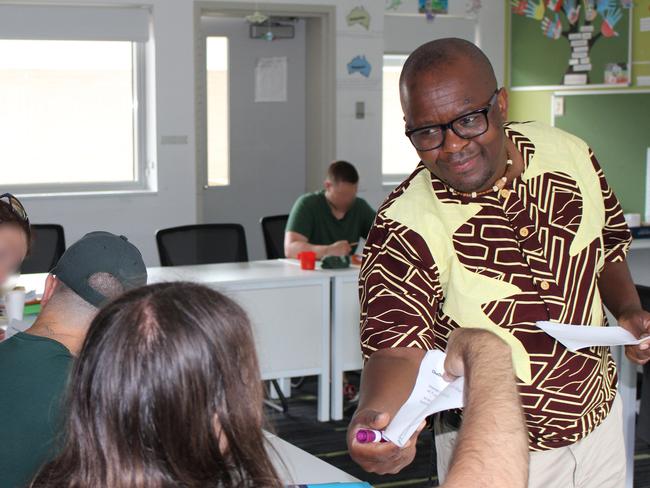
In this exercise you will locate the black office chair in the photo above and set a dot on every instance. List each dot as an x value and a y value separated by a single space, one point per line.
273 231
48 245
202 244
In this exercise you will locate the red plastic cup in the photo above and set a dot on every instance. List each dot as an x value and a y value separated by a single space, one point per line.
307 260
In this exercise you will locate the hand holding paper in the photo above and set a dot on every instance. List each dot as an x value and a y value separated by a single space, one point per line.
432 393
576 337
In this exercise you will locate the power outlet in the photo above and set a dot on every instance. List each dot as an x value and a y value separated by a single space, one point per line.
558 106
360 110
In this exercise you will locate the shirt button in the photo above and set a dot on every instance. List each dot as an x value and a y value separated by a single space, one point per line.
505 193
544 285
523 232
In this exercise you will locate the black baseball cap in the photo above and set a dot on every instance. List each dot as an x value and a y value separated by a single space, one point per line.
100 252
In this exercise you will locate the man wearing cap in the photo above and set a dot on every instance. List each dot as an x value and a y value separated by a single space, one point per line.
34 364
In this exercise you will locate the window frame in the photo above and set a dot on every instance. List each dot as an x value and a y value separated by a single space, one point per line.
205 161
389 180
143 181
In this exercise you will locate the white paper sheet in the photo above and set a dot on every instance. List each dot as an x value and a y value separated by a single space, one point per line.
360 246
431 394
271 79
576 337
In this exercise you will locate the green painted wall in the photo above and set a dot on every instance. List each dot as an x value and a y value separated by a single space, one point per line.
620 146
530 106
608 122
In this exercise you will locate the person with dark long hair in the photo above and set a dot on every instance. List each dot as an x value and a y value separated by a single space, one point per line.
166 392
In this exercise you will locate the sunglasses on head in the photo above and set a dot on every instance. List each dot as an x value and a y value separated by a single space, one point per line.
15 206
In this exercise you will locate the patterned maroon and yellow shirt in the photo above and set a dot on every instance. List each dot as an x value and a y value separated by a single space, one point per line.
435 261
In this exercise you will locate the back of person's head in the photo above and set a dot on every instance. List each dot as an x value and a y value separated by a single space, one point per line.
66 302
15 235
93 271
166 392
342 172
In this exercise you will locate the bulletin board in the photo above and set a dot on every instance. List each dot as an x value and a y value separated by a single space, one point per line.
572 43
615 127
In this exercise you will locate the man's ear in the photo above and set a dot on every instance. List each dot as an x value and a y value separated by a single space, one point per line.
51 282
327 184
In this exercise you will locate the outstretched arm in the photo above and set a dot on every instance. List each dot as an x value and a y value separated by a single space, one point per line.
493 421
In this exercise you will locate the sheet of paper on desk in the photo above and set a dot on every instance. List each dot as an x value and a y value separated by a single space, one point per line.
431 394
575 337
360 246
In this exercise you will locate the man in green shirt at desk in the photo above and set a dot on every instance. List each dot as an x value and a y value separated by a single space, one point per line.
329 222
34 365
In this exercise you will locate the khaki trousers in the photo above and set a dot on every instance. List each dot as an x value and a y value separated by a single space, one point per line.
597 461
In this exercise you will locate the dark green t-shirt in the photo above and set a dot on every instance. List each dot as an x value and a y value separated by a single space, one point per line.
312 217
33 376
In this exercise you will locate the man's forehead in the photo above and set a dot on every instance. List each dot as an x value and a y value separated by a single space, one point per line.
463 79
445 92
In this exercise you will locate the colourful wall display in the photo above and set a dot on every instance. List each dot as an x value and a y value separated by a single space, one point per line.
570 42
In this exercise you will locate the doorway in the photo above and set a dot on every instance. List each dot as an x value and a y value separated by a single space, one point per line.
276 150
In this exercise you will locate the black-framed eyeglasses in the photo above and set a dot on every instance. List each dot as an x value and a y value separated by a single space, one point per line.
15 205
467 126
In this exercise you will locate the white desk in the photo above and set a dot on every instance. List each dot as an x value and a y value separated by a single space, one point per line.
289 310
346 347
345 329
296 466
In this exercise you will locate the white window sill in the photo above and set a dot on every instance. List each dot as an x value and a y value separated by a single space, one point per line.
86 194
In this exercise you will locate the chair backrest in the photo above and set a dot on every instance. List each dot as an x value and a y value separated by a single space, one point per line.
273 230
202 244
644 295
48 245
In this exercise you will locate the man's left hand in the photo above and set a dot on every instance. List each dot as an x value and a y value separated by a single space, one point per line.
638 323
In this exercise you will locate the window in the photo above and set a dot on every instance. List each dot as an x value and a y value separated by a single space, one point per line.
217 111
67 112
398 158
72 98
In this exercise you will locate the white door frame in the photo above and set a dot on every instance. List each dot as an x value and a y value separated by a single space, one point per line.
320 78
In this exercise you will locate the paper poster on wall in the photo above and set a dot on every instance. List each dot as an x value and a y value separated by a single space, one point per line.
359 64
358 16
472 8
271 79
433 6
569 42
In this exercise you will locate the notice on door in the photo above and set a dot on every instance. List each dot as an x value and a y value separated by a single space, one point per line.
271 79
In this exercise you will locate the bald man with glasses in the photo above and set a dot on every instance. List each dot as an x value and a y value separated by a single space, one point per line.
501 225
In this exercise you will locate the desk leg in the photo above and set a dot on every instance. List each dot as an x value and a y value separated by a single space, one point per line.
337 395
285 386
324 378
627 390
337 373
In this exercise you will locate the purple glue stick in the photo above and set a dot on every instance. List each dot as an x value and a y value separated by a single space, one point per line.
367 436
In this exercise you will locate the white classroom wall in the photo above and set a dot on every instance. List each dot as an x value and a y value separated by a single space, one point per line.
175 202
